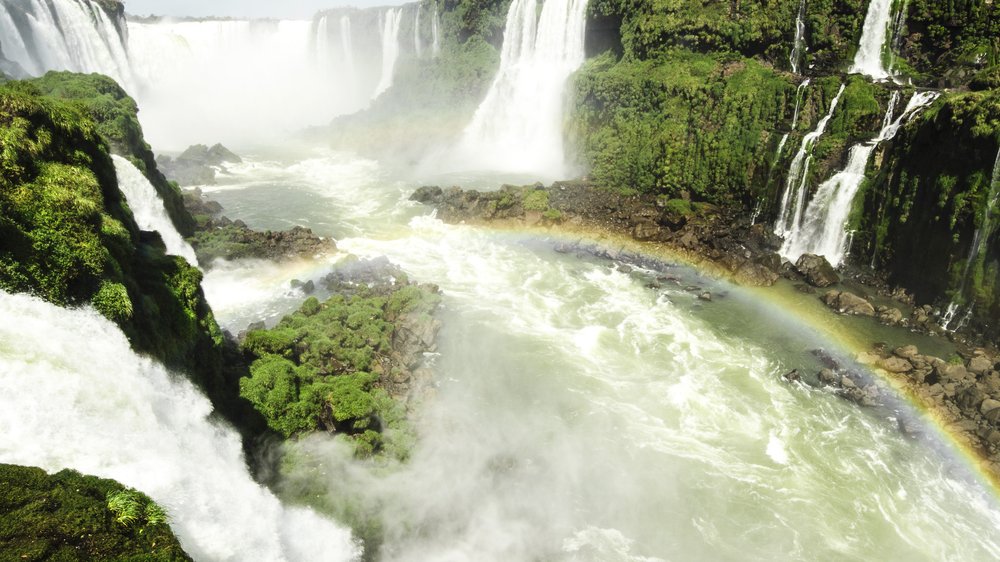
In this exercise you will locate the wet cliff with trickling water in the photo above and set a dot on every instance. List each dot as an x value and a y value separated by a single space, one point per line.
816 117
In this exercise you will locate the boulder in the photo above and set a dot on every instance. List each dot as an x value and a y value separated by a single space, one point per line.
971 398
906 352
645 231
989 405
817 271
950 372
890 316
755 275
848 303
895 365
980 365
427 194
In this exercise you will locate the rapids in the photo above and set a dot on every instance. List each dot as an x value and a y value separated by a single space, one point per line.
581 415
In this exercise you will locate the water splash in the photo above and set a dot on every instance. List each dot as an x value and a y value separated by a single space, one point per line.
793 200
148 209
76 396
823 230
519 125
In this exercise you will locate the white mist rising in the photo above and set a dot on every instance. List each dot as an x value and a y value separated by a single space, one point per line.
78 397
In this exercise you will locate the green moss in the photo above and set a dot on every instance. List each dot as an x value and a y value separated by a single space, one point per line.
69 516
536 200
112 301
323 366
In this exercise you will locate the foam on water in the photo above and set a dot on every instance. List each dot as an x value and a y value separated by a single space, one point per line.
78 397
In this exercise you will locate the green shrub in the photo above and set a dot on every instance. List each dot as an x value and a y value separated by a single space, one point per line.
536 200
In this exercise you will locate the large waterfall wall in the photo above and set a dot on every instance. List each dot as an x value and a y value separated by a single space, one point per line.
236 81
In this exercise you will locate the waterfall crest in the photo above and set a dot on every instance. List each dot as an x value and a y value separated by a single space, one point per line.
519 125
148 209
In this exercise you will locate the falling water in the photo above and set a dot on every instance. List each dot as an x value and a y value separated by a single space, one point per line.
799 46
981 234
148 209
795 117
435 34
418 47
793 200
518 127
390 20
75 35
823 230
76 396
868 60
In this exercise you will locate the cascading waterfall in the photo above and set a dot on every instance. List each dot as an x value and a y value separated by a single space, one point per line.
795 117
793 200
799 46
979 240
74 35
435 34
823 230
869 60
78 397
390 20
148 209
287 74
418 47
518 127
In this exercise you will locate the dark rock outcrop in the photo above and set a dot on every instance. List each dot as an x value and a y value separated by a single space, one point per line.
197 165
817 271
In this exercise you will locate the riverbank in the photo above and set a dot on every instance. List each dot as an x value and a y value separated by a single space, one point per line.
961 391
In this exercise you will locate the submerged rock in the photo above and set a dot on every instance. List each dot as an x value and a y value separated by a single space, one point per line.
848 303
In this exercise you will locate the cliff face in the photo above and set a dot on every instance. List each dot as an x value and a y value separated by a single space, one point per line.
700 100
67 235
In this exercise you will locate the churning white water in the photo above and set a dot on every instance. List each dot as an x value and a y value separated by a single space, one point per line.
796 185
148 209
519 126
77 396
586 411
870 56
824 229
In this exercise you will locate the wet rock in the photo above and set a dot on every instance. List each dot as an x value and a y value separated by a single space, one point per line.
828 377
755 275
427 194
954 373
706 296
970 399
895 365
817 271
989 405
308 288
645 231
906 352
890 316
848 303
980 365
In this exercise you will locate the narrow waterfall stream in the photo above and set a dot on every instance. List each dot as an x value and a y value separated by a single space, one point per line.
870 58
796 188
147 206
823 230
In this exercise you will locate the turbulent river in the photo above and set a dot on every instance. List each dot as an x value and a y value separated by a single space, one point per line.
584 410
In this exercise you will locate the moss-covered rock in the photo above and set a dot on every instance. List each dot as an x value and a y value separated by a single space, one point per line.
346 365
67 236
69 516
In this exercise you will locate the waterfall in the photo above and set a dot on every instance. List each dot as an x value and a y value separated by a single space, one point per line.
798 101
418 48
390 20
323 43
74 35
799 46
435 34
898 29
519 125
823 230
868 60
986 228
148 209
793 200
78 397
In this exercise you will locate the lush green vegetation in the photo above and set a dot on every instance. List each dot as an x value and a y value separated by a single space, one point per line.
69 516
115 114
920 214
326 367
67 236
946 41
